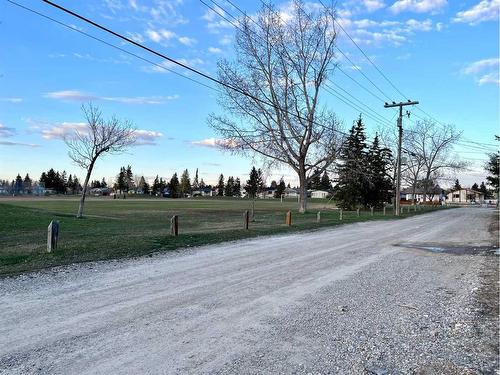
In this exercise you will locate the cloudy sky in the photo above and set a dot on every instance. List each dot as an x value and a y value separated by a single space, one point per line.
442 53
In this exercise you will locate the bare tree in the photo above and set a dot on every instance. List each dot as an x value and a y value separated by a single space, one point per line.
433 146
98 138
279 71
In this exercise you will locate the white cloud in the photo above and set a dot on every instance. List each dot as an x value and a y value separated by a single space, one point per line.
79 96
187 41
373 5
8 143
418 6
225 40
12 100
69 129
214 50
485 10
5 131
484 71
146 137
415 25
216 143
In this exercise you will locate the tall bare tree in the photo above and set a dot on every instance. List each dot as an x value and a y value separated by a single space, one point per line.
281 66
433 145
99 137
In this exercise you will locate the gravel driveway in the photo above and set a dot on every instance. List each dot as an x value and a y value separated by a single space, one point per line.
412 296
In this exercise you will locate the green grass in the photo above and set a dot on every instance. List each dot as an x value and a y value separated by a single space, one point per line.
133 227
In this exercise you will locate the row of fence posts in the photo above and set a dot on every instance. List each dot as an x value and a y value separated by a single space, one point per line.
53 229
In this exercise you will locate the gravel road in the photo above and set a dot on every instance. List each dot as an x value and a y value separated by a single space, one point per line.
412 296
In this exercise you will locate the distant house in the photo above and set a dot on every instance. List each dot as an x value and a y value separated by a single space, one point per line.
3 191
465 196
267 193
435 195
97 192
291 193
319 194
204 192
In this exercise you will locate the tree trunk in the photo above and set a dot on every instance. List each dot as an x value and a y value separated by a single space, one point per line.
414 193
84 191
302 190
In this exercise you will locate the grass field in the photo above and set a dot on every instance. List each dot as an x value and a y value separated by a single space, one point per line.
133 227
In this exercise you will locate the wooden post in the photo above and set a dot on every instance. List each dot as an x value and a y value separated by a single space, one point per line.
357 212
246 219
318 217
174 225
384 210
52 235
415 209
288 218
341 216
371 210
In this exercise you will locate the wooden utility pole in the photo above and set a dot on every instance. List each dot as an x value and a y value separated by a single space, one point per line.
400 142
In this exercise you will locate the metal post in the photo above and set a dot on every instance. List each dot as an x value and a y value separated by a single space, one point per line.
341 216
318 217
246 219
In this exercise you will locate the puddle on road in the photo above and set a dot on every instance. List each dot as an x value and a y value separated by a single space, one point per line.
455 250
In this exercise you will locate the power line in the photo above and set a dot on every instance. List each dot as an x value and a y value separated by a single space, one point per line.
379 119
185 66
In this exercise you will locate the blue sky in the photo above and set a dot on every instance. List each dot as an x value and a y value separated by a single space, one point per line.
442 53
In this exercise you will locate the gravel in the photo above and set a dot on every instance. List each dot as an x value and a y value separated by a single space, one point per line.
354 299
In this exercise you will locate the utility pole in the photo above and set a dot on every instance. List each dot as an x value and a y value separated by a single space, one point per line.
400 141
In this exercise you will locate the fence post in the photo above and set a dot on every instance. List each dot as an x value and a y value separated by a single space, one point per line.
288 218
318 217
52 235
371 210
174 225
357 212
246 219
341 215
384 210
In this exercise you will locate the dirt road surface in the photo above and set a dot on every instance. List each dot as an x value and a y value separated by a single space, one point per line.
417 295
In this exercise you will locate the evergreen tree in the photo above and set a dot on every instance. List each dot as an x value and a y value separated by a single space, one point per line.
475 187
71 185
174 186
220 186
255 183
18 185
325 183
457 185
27 184
483 189
315 182
185 185
103 183
196 183
237 188
380 186
129 179
280 189
229 187
493 168
352 177
121 183
274 185
202 184
143 186
156 185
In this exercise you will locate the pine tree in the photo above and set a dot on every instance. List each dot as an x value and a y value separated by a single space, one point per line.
380 186
352 177
196 183
27 184
255 183
185 185
229 187
174 186
103 183
155 188
280 189
18 185
457 185
493 168
129 179
315 182
143 186
220 186
71 184
202 184
121 183
237 188
475 187
325 183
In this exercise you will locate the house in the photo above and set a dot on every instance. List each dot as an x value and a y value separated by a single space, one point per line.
465 196
291 193
204 192
434 195
319 194
267 193
3 191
